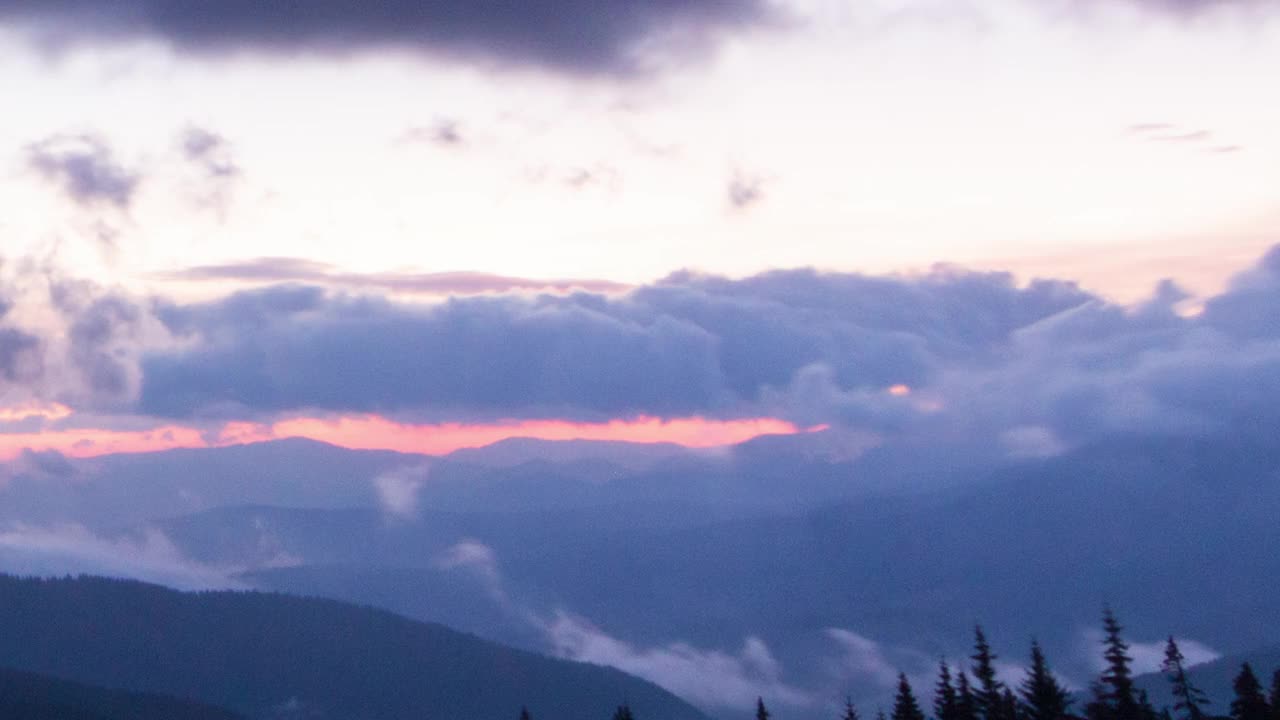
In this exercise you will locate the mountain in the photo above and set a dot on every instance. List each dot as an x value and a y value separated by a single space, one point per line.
265 655
124 489
1215 678
1177 538
518 451
38 697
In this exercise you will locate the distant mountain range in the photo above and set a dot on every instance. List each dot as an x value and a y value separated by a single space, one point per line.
675 558
272 656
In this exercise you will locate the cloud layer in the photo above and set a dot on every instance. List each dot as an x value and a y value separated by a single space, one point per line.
581 36
1034 368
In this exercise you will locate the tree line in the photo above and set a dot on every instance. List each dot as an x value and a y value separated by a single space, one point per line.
1041 696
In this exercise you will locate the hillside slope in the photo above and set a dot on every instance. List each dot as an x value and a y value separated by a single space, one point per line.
261 654
39 697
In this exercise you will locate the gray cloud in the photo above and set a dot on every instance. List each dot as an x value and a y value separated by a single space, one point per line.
687 345
49 463
745 191
1027 371
277 270
85 168
21 356
580 36
101 336
210 151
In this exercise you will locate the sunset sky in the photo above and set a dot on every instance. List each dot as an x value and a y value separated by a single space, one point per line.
436 227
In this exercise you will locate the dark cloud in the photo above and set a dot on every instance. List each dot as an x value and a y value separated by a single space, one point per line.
85 168
20 355
480 355
581 36
688 345
21 352
299 270
1035 368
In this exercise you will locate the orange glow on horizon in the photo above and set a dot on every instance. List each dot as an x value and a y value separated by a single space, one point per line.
373 432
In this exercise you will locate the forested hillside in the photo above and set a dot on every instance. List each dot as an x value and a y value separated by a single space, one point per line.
262 654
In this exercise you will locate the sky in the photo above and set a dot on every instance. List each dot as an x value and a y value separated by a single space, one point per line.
430 225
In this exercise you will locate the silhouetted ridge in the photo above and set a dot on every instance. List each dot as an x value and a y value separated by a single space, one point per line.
262 653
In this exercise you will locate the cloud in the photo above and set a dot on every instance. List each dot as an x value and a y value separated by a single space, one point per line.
480 559
398 491
283 269
577 36
1192 136
20 356
863 658
687 345
745 191
445 133
209 150
85 168
50 463
950 355
1148 656
1169 133
72 549
710 678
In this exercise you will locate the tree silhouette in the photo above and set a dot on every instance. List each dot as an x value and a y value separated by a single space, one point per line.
1275 695
1115 697
850 712
989 696
623 712
761 712
524 713
1187 698
946 701
966 703
1043 697
1249 703
905 706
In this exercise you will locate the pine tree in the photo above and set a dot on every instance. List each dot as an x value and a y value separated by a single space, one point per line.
1249 704
1009 705
988 699
524 713
1146 711
1117 679
1043 697
623 712
761 712
1098 707
1275 695
850 712
946 702
1187 698
966 703
905 706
